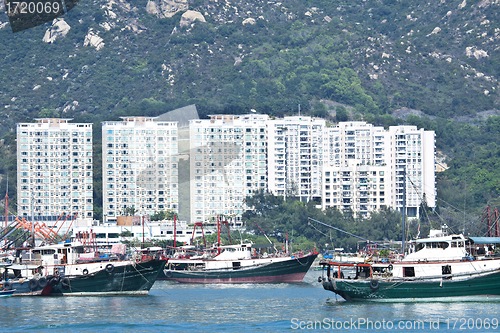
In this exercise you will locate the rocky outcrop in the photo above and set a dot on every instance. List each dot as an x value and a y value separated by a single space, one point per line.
92 39
58 29
190 16
249 21
166 8
473 51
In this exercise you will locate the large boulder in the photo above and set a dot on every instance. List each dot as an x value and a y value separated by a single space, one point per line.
58 29
190 16
92 39
166 8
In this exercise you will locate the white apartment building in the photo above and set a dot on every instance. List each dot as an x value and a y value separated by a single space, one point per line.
54 169
140 166
412 152
366 165
227 163
295 156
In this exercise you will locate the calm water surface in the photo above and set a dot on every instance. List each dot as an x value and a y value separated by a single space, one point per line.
240 308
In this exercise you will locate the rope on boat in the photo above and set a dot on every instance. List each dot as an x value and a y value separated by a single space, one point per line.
124 272
141 275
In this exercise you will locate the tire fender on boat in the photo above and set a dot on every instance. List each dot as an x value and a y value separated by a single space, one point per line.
85 271
168 274
110 268
42 282
54 281
374 284
32 284
390 267
65 283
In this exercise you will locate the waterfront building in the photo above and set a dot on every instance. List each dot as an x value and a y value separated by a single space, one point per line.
228 161
366 167
413 154
139 167
295 156
54 169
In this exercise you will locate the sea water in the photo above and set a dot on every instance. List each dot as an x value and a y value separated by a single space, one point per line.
240 308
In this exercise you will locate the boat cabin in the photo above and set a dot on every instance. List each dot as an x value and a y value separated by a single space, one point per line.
19 271
452 247
235 252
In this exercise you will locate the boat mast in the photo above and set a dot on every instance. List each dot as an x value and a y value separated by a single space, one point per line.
404 211
218 236
33 216
175 232
6 202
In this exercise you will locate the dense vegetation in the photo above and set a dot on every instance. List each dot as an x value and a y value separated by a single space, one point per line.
375 56
279 217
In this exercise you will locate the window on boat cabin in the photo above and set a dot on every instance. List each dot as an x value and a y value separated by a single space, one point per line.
437 245
79 249
408 271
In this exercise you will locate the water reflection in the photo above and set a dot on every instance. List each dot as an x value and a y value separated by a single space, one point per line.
208 308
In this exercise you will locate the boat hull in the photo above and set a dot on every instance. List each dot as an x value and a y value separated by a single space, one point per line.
6 293
288 271
480 287
134 279
22 287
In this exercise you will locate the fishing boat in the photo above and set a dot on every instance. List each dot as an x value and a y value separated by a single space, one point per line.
240 264
72 269
6 293
439 268
22 279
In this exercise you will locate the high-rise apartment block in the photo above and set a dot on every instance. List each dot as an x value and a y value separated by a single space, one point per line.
140 166
366 167
295 156
227 162
54 169
349 166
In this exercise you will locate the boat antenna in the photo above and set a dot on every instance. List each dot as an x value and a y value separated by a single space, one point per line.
465 200
353 235
241 238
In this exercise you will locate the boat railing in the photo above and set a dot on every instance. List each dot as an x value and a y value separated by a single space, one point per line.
445 276
32 262
413 278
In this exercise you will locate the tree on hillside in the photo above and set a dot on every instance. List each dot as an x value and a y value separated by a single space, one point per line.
342 114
